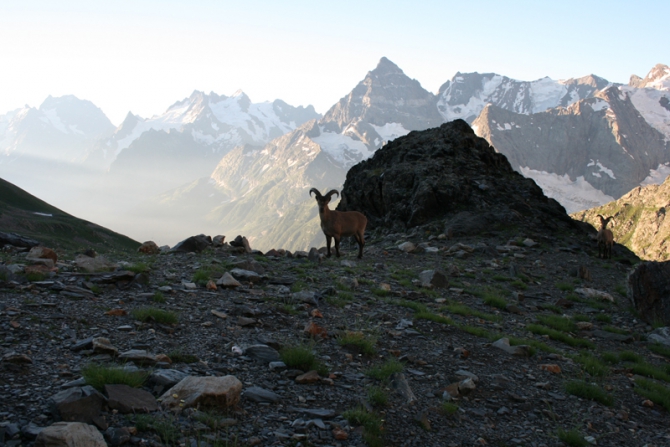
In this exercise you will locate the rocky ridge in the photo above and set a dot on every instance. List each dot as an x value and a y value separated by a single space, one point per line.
638 220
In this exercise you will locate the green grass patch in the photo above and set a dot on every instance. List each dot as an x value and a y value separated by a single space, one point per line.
616 330
572 438
358 342
371 423
138 267
574 297
166 428
384 371
302 357
478 331
158 297
448 408
377 396
519 284
552 308
200 277
653 391
620 289
603 318
462 309
501 278
560 336
647 370
588 391
98 376
161 316
178 356
592 365
35 276
630 356
495 301
558 323
424 315
659 349
580 317
380 292
610 357
298 286
416 307
566 287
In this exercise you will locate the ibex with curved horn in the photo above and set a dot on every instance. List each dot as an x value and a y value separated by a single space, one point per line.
336 224
605 238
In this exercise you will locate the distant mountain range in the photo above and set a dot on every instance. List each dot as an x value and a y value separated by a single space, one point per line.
226 165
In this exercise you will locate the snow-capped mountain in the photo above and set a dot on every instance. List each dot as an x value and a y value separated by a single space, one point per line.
218 122
60 129
466 94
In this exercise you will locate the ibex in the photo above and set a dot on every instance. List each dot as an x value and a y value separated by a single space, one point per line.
605 238
336 224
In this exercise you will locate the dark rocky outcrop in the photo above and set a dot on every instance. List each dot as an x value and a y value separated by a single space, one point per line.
17 240
449 177
649 291
194 244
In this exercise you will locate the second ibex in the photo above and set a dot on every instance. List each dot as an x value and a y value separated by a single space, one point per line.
336 224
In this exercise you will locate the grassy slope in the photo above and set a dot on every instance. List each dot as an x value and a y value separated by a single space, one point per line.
61 230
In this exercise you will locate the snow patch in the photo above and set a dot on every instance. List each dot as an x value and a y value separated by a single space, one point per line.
546 93
574 195
657 176
598 104
51 117
390 131
648 102
344 149
601 168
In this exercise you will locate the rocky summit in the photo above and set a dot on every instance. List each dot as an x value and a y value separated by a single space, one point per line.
446 179
508 337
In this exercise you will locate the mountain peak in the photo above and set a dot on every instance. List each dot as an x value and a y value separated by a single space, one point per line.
387 67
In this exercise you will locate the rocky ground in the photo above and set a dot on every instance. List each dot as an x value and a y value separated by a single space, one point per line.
454 383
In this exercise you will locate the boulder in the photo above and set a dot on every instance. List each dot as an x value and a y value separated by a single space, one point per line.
126 399
194 244
42 253
314 255
433 278
78 404
70 434
102 345
149 248
245 275
649 291
251 265
258 394
138 357
219 392
218 240
241 241
92 265
17 240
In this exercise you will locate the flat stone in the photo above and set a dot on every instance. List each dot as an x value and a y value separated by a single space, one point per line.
308 378
70 434
258 394
80 404
407 247
587 292
167 377
221 392
245 321
102 345
126 399
246 275
321 413
228 281
138 357
263 353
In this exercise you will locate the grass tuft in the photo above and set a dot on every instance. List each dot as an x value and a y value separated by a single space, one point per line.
371 423
560 336
592 365
98 376
653 391
178 356
558 323
572 438
384 371
588 391
448 408
358 342
161 316
377 396
138 267
659 349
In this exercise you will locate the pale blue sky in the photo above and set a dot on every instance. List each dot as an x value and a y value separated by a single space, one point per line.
145 55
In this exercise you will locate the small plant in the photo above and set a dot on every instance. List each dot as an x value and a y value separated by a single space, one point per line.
552 308
564 286
653 391
377 396
589 391
161 316
178 356
299 357
416 307
659 349
616 330
385 370
96 289
630 356
35 276
519 284
620 289
423 315
448 408
560 336
462 309
647 370
603 318
380 292
298 286
558 323
158 297
358 342
98 376
580 317
572 438
610 357
371 423
138 267
495 300
200 277
592 365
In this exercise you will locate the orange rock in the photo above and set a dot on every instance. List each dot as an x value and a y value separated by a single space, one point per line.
149 248
211 285
551 367
116 312
648 403
15 324
394 352
43 253
316 313
340 434
313 330
163 358
308 377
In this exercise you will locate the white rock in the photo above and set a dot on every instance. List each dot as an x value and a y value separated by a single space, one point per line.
70 434
587 292
218 392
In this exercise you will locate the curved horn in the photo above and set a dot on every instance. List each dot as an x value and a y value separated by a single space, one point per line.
315 191
331 192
